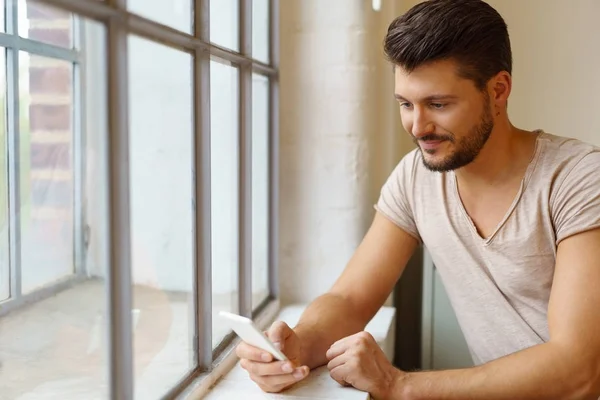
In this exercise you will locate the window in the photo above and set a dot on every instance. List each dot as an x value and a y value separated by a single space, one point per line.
137 190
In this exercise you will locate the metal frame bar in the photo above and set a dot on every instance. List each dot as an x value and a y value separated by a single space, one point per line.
274 151
79 115
245 164
202 186
38 48
118 292
14 44
157 32
14 151
45 292
121 22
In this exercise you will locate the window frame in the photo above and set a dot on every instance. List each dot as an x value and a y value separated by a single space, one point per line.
119 23
12 44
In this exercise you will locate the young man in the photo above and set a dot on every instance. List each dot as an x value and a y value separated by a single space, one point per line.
511 219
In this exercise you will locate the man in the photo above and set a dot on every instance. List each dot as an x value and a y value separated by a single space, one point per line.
511 219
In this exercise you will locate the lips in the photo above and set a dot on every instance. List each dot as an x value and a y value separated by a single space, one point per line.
431 144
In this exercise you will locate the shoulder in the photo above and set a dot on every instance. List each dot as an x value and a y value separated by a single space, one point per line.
568 161
565 153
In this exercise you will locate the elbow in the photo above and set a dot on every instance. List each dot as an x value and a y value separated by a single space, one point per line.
588 382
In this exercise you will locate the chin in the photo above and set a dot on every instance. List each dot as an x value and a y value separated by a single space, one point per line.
436 163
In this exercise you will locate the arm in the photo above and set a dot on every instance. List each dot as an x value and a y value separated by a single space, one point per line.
358 293
567 367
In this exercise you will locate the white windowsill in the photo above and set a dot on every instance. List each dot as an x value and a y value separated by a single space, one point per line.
230 381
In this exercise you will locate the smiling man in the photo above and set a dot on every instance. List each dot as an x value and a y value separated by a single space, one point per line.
510 217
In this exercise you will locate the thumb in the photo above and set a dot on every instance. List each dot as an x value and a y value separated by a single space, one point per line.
278 333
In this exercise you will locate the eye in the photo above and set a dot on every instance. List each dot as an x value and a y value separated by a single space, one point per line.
405 105
438 106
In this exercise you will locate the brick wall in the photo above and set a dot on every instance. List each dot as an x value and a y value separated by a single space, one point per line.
50 128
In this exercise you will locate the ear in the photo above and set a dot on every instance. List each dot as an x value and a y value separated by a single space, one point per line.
500 87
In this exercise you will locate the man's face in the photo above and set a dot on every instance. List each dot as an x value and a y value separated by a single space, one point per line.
447 116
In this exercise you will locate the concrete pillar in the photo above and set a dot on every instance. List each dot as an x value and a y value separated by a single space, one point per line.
340 136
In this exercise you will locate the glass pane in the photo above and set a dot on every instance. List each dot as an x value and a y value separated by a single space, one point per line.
55 346
4 255
2 10
161 129
260 30
174 13
46 169
260 189
224 192
45 24
224 23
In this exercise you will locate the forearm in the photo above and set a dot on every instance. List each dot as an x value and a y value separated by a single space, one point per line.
327 319
540 372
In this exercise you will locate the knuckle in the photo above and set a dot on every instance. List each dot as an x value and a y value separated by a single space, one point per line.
278 327
239 350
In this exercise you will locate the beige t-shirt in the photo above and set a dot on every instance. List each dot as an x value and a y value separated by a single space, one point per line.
499 287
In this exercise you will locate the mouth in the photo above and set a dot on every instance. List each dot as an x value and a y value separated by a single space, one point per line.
430 144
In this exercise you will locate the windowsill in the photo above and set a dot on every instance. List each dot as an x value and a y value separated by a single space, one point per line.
233 382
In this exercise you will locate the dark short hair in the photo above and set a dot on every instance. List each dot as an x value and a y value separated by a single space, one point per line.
469 32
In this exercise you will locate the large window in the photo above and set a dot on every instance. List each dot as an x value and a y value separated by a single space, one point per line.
137 190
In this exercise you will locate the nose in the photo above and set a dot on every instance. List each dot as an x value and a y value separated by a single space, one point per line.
421 124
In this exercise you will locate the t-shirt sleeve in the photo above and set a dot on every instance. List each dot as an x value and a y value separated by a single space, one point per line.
394 199
577 203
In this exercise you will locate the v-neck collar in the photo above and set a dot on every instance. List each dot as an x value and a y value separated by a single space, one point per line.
515 202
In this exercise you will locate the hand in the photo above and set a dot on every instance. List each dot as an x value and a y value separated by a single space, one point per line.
270 374
358 361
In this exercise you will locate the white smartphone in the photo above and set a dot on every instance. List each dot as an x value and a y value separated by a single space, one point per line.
249 333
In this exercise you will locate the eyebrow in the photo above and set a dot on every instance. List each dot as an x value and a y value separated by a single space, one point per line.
434 97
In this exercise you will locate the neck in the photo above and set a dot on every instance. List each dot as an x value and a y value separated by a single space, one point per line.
506 155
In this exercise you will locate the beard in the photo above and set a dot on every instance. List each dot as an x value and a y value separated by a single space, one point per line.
466 149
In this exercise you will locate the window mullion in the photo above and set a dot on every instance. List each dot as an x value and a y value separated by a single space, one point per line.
202 190
245 175
14 151
273 150
119 230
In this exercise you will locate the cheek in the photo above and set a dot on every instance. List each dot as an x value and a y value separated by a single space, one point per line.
455 123
407 127
406 122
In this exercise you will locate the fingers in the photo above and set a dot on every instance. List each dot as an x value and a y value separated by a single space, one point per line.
246 351
339 374
267 369
337 361
276 383
353 341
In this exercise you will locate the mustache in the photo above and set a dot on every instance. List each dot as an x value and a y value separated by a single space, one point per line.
434 136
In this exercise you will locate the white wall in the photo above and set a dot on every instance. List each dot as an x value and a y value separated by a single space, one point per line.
556 58
339 136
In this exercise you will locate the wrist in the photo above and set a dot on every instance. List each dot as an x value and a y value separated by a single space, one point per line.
403 386
303 354
398 386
